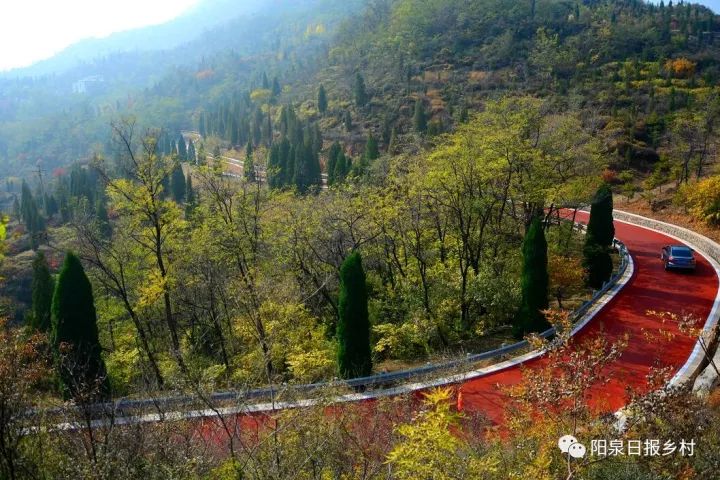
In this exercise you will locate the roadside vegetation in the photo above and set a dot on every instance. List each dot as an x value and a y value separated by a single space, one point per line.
355 192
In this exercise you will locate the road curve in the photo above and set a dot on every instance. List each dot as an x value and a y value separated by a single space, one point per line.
650 288
651 343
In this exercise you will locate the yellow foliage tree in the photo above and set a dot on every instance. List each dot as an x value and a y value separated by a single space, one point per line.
702 199
260 95
566 276
430 449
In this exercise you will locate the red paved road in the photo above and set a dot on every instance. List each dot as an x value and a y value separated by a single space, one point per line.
651 288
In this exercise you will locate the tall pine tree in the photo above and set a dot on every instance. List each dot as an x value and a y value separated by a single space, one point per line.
191 153
74 334
249 164
181 148
190 200
103 220
533 281
361 97
322 102
333 155
43 287
600 226
177 183
342 168
371 148
353 329
31 217
600 233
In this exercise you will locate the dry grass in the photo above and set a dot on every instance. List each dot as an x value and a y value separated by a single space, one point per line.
477 76
670 214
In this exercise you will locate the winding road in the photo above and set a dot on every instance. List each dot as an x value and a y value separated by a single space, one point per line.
651 343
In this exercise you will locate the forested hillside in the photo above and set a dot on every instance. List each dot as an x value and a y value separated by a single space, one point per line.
43 122
456 122
602 57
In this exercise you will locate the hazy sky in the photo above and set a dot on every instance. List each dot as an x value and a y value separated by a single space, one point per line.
713 5
31 30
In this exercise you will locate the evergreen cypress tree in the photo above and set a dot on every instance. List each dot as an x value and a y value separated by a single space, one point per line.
353 329
600 233
316 139
189 191
533 282
181 148
177 184
74 334
333 155
307 168
371 148
273 166
51 206
299 178
191 154
276 87
267 131
165 182
27 205
31 217
249 165
342 167
420 118
43 287
600 226
597 262
314 171
322 102
189 196
360 92
347 120
386 131
103 220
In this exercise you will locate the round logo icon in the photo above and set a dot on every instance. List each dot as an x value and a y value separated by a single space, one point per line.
565 442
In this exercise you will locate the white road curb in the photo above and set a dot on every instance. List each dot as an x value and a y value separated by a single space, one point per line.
708 378
687 371
599 304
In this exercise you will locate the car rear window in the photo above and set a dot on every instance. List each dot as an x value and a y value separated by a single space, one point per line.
681 252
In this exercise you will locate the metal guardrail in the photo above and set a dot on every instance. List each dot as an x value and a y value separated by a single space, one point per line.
377 381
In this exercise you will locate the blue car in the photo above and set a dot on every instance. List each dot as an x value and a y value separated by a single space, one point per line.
678 257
